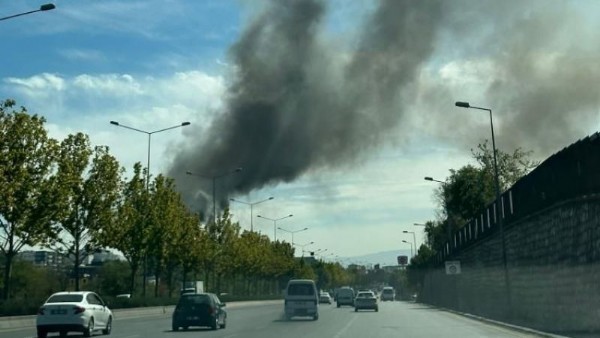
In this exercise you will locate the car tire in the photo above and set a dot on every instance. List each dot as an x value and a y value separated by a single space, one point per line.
377 309
355 309
87 332
338 304
41 333
215 325
108 327
316 317
224 323
174 327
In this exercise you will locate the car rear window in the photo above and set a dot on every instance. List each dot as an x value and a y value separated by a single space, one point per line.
194 299
388 291
65 299
301 290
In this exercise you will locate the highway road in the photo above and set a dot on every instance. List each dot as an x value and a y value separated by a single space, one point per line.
394 319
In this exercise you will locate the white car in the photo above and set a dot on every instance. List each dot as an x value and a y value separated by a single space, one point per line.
80 311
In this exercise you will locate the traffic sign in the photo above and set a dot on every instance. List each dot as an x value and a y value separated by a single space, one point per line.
453 267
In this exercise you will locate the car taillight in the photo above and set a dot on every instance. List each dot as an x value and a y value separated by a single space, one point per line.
78 309
41 311
211 310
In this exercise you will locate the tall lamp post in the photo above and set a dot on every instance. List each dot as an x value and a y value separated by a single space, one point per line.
414 238
302 246
275 220
149 133
214 179
251 204
449 225
411 247
498 201
292 232
43 8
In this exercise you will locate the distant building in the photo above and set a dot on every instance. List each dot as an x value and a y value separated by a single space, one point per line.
42 258
102 256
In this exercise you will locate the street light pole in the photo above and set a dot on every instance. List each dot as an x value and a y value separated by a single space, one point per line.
251 204
304 246
214 186
498 201
292 232
449 221
411 247
149 133
414 238
274 220
43 8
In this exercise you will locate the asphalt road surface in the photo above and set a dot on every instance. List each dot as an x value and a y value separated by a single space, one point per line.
394 319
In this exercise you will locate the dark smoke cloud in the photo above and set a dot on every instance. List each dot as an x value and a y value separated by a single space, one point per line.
540 77
298 104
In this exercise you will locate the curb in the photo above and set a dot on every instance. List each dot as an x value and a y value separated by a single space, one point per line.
501 324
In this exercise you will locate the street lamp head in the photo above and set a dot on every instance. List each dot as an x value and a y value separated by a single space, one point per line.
189 173
270 198
114 122
305 229
427 178
185 124
463 104
405 241
47 7
290 215
405 231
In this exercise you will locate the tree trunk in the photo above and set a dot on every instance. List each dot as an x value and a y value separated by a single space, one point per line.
7 274
77 263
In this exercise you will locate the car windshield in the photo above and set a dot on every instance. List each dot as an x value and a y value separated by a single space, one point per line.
444 154
65 299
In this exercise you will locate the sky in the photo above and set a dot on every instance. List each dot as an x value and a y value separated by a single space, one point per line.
337 109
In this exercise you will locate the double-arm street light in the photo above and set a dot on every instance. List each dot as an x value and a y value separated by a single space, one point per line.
414 238
419 224
251 204
302 246
43 8
214 179
292 232
149 133
275 220
499 210
411 247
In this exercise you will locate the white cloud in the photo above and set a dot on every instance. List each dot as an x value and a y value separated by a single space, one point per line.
41 82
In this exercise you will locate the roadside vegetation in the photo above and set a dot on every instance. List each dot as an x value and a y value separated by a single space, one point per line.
74 199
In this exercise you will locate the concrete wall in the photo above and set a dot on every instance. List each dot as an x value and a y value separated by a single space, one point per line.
553 260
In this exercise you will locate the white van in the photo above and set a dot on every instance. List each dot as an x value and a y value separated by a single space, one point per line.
301 299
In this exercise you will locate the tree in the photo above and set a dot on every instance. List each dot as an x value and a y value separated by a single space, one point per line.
27 163
86 202
471 188
165 217
129 232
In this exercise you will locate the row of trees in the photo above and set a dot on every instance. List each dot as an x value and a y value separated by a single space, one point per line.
74 198
464 194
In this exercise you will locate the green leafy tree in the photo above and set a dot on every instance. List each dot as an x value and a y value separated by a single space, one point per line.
129 232
86 200
165 217
27 163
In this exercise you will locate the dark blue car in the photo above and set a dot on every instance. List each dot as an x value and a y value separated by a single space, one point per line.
199 309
